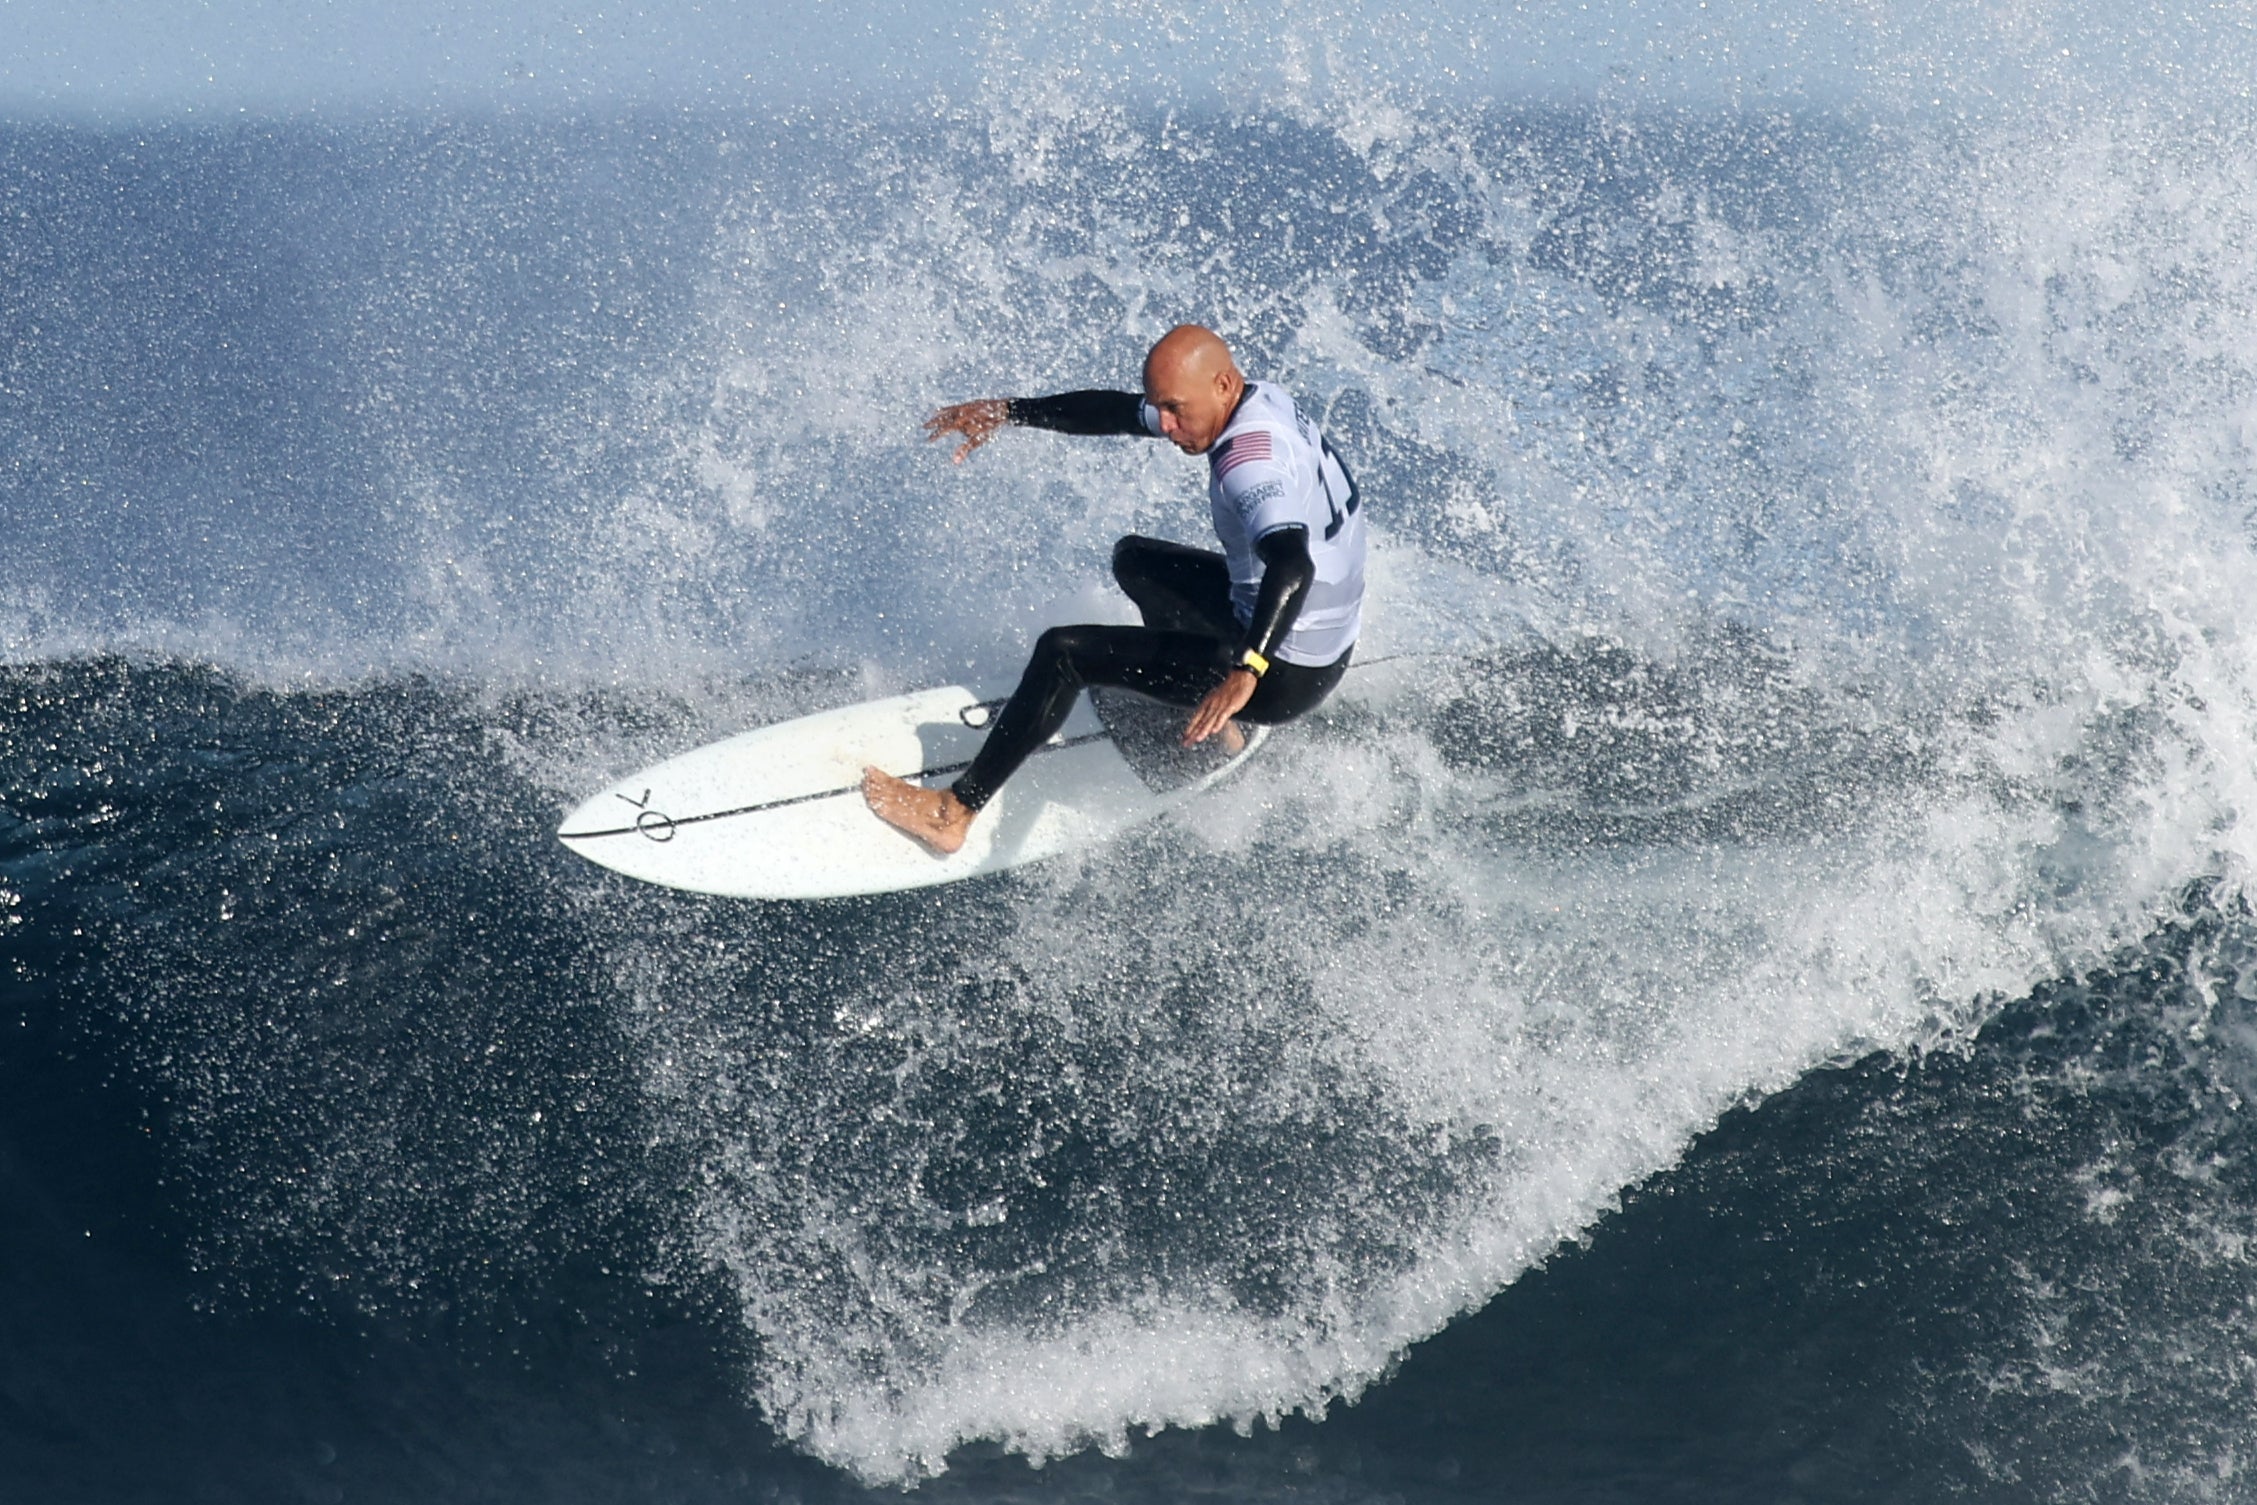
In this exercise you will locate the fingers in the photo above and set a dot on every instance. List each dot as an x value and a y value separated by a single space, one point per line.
976 421
975 435
1192 735
1209 718
1223 702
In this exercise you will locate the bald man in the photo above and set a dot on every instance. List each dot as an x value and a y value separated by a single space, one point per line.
1261 631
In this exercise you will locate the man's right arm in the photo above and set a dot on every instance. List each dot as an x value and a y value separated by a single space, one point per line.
1067 412
1088 412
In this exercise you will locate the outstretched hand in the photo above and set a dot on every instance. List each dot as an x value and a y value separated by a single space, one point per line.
1223 702
976 421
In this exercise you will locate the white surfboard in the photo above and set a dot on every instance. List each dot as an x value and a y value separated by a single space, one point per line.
778 813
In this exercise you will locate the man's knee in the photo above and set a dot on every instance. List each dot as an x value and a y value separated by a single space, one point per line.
1058 645
1128 555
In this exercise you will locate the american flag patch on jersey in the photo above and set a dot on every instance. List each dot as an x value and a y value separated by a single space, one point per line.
1251 445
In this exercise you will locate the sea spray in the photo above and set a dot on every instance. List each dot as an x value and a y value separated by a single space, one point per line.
1816 550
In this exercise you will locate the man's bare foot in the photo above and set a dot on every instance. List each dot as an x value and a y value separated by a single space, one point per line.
935 817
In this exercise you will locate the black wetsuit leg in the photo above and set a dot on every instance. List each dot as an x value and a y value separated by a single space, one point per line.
1176 586
1290 689
1187 648
1185 589
1177 667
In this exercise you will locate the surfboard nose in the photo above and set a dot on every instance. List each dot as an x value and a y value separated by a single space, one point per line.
612 813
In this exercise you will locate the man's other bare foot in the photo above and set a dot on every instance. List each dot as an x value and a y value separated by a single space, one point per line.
935 817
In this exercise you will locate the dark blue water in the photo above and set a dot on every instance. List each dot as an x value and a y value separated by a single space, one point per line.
1767 1013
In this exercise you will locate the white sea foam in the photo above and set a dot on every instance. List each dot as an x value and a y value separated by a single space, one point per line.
1283 1089
1834 545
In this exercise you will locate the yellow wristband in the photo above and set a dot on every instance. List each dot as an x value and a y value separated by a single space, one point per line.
1254 661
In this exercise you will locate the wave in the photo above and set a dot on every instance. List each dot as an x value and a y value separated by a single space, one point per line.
1823 546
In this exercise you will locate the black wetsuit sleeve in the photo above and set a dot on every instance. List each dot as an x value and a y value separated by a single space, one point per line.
1081 413
1287 571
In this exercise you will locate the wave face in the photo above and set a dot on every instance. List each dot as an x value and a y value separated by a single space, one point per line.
1815 557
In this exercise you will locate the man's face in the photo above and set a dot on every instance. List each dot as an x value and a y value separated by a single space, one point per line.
1193 402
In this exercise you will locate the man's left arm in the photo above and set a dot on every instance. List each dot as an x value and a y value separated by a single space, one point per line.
1287 571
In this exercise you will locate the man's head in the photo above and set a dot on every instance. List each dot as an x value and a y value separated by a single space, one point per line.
1191 379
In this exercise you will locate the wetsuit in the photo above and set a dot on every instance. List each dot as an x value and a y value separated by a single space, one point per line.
1288 584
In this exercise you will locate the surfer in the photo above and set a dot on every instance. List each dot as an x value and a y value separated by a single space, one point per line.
1260 631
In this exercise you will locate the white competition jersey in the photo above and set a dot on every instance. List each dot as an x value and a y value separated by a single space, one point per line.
1269 469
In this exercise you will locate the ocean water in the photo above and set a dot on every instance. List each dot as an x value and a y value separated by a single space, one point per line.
1756 999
